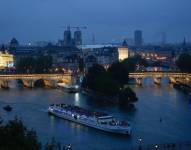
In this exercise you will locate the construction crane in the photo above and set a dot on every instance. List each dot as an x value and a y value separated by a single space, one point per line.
77 28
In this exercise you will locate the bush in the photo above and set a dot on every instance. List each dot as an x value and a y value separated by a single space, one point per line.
184 62
127 96
15 136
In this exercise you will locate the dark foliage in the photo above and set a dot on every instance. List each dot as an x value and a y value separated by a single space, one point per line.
130 63
127 96
93 73
110 82
184 62
105 84
119 72
40 64
15 136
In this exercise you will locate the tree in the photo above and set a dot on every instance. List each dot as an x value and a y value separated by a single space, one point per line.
184 62
127 96
94 72
15 136
105 84
111 82
119 72
130 63
81 65
38 64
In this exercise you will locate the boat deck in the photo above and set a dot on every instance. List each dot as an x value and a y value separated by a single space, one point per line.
81 111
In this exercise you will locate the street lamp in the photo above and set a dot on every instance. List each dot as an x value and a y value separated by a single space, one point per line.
140 143
156 146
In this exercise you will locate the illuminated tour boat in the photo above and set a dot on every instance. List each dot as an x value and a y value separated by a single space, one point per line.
92 119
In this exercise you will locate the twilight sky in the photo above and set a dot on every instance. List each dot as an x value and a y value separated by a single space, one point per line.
108 20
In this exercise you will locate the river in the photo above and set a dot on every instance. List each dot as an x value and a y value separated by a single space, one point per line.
155 102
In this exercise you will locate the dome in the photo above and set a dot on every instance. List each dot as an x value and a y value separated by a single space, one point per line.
125 43
14 41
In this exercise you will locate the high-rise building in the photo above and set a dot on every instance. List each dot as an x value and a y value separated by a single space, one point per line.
138 40
67 37
78 38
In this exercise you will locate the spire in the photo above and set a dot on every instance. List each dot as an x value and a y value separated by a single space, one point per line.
3 48
125 43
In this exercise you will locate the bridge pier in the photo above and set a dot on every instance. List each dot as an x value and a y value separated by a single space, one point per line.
172 80
138 81
50 83
157 80
28 83
4 84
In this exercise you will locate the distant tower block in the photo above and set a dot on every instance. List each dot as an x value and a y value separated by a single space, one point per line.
67 37
78 37
138 39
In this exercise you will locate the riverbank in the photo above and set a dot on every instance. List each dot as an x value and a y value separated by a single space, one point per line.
183 87
125 99
100 96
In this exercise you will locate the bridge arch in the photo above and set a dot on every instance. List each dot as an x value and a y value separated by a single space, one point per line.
157 76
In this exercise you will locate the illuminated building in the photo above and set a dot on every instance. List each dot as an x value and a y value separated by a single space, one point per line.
123 52
103 55
6 60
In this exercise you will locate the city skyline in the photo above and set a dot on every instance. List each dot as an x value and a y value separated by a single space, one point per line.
29 20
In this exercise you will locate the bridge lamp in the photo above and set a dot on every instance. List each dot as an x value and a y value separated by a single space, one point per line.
156 146
187 79
140 143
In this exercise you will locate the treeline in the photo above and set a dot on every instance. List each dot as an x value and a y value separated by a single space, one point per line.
184 62
38 64
114 80
15 136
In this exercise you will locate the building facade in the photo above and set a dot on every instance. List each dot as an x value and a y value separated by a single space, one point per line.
6 60
103 55
123 51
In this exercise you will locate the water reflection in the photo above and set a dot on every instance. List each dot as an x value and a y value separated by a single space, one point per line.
77 99
155 102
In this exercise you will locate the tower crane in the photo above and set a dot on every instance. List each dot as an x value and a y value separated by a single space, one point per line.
73 27
79 27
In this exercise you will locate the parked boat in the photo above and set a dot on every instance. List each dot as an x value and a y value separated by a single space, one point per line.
183 87
70 88
92 119
7 108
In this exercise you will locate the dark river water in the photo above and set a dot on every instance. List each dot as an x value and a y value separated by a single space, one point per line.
155 102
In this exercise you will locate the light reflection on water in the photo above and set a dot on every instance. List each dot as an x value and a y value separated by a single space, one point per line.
77 99
155 102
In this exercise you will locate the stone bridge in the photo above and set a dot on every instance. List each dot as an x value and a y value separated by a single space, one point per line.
29 80
157 75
